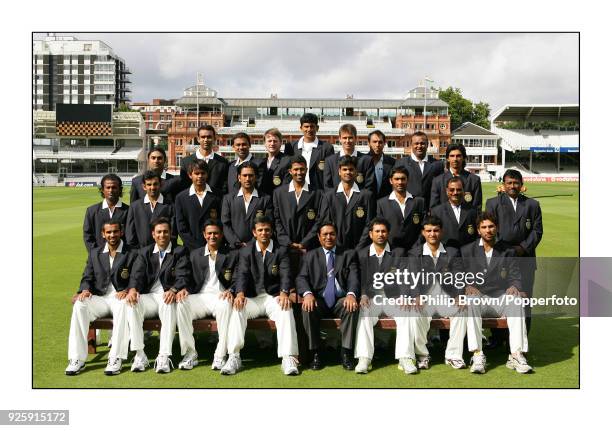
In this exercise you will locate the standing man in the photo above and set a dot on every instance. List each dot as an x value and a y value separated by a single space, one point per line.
314 151
143 210
102 292
263 281
329 283
402 210
217 165
350 206
111 208
501 281
276 163
455 160
379 258
205 283
421 171
196 205
239 210
241 144
438 262
381 163
520 225
156 162
458 217
364 175
153 294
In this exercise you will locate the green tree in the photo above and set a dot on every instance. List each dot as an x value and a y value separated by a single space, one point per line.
462 109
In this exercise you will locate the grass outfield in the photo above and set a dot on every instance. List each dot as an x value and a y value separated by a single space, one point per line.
59 258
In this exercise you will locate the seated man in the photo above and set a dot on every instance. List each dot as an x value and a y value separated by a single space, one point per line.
204 280
329 284
501 281
262 289
152 293
379 258
102 292
437 262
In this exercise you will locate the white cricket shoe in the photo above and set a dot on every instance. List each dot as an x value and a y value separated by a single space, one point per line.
478 364
140 362
74 367
189 361
457 364
290 366
363 366
408 366
423 362
218 363
113 366
519 363
163 364
232 366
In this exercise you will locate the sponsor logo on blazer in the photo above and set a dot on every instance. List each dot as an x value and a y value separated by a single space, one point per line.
213 213
311 214
359 178
470 229
274 270
416 219
468 197
503 273
528 223
227 274
125 274
360 212
276 180
259 213
321 164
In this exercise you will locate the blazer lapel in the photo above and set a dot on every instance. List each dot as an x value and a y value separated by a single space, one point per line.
495 258
462 215
205 204
252 205
408 208
219 265
451 213
104 260
520 209
304 199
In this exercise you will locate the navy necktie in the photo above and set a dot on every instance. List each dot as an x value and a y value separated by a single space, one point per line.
329 294
162 253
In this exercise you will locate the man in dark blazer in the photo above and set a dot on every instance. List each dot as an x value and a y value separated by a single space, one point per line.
238 211
262 284
497 277
443 265
455 159
458 217
275 166
142 211
374 261
402 210
169 185
196 205
351 207
205 284
103 291
329 284
153 293
111 208
381 163
241 144
421 170
364 175
217 165
313 150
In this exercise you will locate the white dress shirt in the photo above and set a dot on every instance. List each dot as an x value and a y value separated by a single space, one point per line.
514 202
212 284
457 211
373 252
428 252
160 200
354 189
488 254
200 198
307 148
420 162
111 259
247 202
111 211
238 162
393 197
292 189
203 157
157 286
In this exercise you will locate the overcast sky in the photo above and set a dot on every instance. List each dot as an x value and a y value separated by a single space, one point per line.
494 68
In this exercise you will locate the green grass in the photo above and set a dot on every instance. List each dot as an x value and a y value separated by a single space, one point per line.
59 258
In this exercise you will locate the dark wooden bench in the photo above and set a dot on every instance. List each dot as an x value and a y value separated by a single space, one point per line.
210 325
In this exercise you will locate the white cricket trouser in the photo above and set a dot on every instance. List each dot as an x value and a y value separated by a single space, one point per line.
263 305
198 306
515 316
458 324
152 305
92 308
368 317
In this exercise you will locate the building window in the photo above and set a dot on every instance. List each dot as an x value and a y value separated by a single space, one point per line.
390 144
87 47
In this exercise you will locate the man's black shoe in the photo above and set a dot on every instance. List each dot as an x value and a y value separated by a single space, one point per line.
348 363
315 363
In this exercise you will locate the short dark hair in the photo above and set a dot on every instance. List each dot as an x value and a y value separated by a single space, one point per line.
400 170
326 223
242 135
379 220
310 118
112 223
347 160
514 174
380 134
297 159
207 127
419 133
264 219
160 220
157 149
455 180
432 220
454 147
198 164
486 216
348 128
111 177
149 175
245 165
212 222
